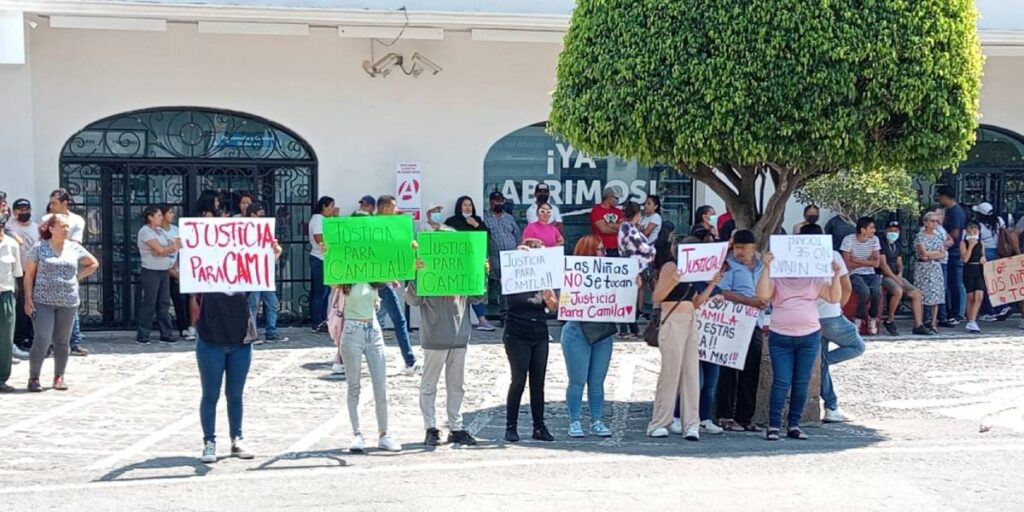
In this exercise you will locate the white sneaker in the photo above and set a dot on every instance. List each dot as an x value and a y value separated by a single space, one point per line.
676 427
835 416
485 326
191 334
710 427
872 326
338 369
972 327
238 450
19 353
858 323
659 432
415 369
389 444
988 318
358 445
209 452
693 433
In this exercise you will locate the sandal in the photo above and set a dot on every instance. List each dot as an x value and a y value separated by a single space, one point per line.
752 427
796 433
773 434
730 425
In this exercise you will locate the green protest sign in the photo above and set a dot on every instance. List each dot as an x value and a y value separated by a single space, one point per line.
368 249
453 263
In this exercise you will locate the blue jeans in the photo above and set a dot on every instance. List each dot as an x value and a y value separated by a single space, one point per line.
481 311
319 294
956 292
389 304
76 331
587 365
216 361
708 383
270 308
843 333
869 293
793 359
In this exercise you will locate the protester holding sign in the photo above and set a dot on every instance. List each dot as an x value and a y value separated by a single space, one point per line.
794 340
679 378
387 205
156 251
362 337
526 345
318 292
543 230
466 219
223 354
737 389
587 348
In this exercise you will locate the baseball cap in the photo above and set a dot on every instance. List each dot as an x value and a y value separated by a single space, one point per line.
983 208
434 206
892 224
496 195
611 192
542 186
21 203
368 200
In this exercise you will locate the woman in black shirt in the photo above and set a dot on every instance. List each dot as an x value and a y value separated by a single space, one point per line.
526 345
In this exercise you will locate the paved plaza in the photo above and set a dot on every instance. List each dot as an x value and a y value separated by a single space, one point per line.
939 425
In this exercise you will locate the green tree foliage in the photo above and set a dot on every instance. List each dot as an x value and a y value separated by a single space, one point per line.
855 194
734 92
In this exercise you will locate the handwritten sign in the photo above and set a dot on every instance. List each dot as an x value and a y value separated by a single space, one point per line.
368 249
599 289
725 329
529 271
802 256
453 263
700 262
227 255
1004 279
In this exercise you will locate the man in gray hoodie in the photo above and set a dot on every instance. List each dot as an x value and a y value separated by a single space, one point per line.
445 327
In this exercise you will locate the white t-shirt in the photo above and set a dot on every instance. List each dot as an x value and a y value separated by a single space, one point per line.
861 251
29 234
151 261
172 233
988 237
316 227
656 220
531 214
77 225
827 309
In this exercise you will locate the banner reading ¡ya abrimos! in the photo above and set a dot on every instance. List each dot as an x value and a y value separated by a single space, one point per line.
368 249
453 263
597 289
226 255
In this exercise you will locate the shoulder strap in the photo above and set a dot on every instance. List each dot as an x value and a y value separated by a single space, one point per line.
665 317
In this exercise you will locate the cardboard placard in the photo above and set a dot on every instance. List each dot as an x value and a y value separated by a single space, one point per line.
801 256
453 263
598 289
368 249
700 262
530 271
1004 279
725 329
226 255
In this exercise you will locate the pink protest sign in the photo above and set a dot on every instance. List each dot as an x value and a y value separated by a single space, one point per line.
1004 279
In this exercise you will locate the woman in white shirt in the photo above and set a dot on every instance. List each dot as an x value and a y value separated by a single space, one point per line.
650 223
156 250
318 293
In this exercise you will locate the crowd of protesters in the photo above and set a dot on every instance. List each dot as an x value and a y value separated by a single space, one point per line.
802 318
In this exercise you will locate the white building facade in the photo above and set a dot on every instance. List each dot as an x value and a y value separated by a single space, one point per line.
129 103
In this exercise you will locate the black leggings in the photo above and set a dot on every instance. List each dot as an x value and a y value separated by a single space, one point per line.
526 357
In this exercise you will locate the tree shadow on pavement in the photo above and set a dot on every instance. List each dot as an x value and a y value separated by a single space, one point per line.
628 422
123 474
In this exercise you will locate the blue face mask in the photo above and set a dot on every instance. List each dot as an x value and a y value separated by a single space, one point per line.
892 237
436 217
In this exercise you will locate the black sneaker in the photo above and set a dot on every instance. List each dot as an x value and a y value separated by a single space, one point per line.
461 437
511 434
933 330
922 331
142 341
7 388
275 338
1003 314
891 328
169 340
433 437
542 434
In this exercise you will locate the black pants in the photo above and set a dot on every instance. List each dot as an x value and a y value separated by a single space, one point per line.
23 331
155 301
737 390
526 358
180 302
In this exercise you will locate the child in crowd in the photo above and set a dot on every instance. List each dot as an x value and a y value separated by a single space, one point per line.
973 251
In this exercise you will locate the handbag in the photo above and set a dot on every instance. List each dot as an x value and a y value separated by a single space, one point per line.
657 320
251 334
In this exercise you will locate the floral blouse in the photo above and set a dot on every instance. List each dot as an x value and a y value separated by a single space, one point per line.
633 243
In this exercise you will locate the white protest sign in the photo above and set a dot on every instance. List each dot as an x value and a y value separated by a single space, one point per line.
227 254
700 262
725 329
801 256
529 271
599 289
408 197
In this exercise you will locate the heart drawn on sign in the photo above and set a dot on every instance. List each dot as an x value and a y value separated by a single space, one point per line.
629 309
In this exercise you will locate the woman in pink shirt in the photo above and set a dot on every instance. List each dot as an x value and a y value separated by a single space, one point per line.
543 230
794 340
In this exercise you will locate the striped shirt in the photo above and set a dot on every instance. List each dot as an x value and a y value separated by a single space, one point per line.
861 251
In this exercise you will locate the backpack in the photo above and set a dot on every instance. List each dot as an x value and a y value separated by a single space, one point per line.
1008 243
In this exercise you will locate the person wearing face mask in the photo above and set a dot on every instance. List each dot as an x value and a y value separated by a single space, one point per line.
897 286
503 235
466 219
811 216
707 219
972 248
435 219
24 228
543 196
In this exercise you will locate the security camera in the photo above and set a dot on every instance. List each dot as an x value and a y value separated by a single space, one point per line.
382 67
419 62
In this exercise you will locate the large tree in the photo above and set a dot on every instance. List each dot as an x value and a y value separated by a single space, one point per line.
733 93
855 194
